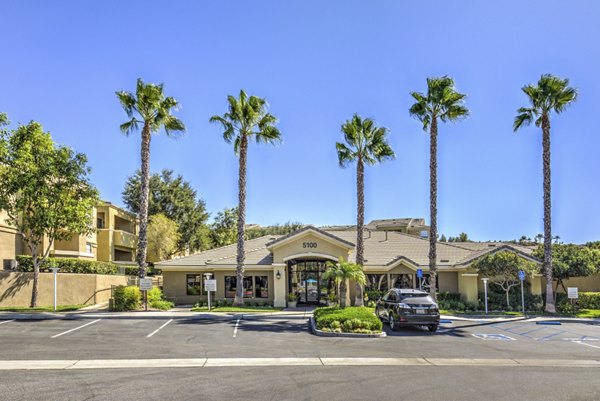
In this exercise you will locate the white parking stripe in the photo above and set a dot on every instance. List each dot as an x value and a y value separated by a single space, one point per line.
156 331
589 345
76 328
7 321
236 328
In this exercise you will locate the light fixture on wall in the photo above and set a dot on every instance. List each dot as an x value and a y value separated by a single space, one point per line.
278 275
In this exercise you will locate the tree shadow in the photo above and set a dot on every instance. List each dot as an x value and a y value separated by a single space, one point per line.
21 280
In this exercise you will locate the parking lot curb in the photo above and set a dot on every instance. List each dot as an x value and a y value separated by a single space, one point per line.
321 333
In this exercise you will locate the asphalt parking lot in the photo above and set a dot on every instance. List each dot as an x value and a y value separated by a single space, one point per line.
279 337
279 359
108 357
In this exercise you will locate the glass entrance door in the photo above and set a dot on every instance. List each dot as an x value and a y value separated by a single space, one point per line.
305 280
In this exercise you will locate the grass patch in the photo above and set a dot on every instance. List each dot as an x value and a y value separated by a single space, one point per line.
594 313
60 308
355 319
588 313
266 308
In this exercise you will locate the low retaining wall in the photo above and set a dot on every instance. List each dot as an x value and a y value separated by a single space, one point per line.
72 288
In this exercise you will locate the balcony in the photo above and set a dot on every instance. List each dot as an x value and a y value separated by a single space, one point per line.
124 239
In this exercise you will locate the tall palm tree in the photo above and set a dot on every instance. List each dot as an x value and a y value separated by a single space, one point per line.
366 144
150 108
550 94
441 102
246 119
341 272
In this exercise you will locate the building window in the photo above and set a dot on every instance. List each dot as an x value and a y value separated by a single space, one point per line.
230 286
88 247
248 293
261 286
377 282
194 284
401 280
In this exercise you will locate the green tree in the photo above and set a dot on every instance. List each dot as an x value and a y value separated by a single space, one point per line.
462 237
171 195
45 192
366 143
441 102
551 94
502 268
163 237
246 119
223 228
277 229
570 260
150 108
341 272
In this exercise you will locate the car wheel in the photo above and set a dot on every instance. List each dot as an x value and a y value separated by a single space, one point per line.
433 327
392 322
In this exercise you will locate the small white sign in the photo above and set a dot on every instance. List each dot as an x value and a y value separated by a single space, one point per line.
210 285
572 292
146 284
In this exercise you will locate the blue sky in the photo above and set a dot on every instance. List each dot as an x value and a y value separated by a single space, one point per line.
317 63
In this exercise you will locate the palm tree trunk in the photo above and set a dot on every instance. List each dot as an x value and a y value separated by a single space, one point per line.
144 197
241 223
360 223
343 293
547 263
433 207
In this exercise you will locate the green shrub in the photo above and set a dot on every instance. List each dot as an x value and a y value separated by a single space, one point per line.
162 305
448 296
348 320
68 265
156 299
374 295
127 298
586 300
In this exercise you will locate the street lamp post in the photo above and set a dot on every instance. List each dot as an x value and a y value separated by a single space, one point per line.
485 283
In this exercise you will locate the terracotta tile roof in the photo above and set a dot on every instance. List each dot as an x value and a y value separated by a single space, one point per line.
382 249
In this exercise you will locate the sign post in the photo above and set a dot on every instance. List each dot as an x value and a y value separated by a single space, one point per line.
55 271
420 276
573 294
521 279
209 285
145 285
485 281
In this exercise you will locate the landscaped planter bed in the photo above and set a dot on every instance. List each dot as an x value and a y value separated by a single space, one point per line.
358 321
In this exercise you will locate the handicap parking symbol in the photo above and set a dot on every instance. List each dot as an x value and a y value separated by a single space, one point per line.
499 337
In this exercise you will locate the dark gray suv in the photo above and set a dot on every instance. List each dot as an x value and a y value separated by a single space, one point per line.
406 307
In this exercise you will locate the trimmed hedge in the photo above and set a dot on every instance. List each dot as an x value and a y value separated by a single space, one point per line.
586 300
72 265
126 298
356 319
68 265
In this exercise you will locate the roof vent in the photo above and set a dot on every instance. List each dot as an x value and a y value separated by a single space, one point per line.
445 260
491 245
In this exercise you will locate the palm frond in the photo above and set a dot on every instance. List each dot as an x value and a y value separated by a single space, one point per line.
524 117
129 126
345 154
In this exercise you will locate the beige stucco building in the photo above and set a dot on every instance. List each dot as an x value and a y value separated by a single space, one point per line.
115 239
278 265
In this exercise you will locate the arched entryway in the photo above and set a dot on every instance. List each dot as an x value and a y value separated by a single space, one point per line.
305 279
